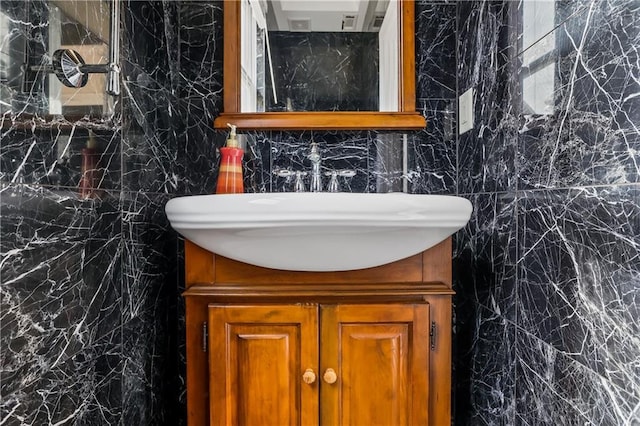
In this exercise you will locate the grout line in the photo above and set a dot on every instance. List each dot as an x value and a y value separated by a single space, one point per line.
551 189
517 299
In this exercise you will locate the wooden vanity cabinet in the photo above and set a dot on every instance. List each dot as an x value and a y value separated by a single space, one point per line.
268 347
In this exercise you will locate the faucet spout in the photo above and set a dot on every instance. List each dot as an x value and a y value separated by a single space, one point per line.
316 161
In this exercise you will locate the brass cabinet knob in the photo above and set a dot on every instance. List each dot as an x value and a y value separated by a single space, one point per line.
330 376
309 376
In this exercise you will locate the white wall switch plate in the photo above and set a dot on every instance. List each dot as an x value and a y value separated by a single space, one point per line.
465 111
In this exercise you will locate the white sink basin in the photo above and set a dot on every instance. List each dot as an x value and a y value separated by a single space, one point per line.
317 231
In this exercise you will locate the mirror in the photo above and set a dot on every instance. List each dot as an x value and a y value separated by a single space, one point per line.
48 50
303 64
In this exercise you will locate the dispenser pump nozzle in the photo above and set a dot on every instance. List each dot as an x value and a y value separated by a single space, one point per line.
232 141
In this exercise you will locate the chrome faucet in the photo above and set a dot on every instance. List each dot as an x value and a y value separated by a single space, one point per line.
316 174
316 161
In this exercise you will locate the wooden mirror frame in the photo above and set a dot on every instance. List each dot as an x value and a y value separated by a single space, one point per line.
405 119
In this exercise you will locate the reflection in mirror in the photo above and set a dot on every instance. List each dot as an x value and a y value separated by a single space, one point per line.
31 31
303 55
539 58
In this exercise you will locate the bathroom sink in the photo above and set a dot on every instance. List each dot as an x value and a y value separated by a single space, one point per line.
317 231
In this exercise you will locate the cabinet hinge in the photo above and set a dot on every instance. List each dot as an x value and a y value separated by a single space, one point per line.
205 337
432 335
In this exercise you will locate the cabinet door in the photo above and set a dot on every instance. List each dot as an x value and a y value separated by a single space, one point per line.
380 355
257 358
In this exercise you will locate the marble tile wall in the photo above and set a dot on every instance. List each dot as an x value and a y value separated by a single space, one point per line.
546 317
547 320
60 312
89 313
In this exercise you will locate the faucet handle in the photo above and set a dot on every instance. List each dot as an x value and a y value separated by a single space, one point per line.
333 183
284 173
346 173
334 186
299 186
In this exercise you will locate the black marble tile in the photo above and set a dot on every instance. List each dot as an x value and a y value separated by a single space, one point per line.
200 33
484 42
432 152
587 133
32 215
257 161
144 220
150 146
553 389
436 50
484 370
150 46
201 65
200 157
485 312
487 153
579 271
74 285
485 253
60 309
54 157
348 151
153 377
83 388
487 157
150 161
